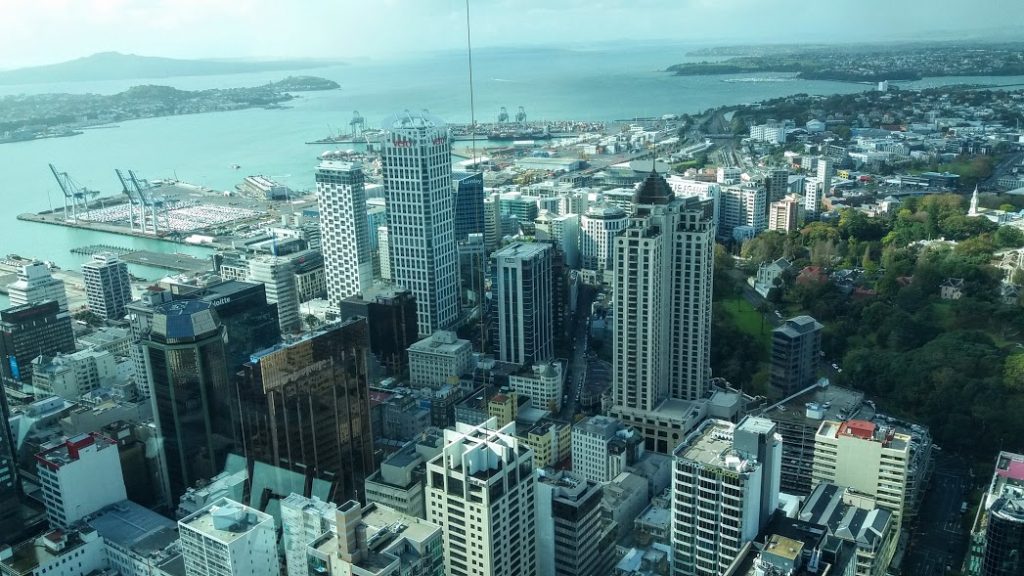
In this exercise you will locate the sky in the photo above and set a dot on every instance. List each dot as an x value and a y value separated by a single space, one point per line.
47 31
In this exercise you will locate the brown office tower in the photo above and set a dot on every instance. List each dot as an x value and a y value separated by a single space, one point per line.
304 406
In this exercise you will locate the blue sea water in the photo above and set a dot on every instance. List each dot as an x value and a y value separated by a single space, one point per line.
605 84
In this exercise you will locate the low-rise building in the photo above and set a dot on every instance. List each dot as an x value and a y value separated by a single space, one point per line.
603 447
79 476
439 359
227 538
854 518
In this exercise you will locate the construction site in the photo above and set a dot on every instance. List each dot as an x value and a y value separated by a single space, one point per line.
163 209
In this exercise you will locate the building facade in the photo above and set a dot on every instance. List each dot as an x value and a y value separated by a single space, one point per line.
303 520
599 226
36 284
468 189
416 163
304 406
795 354
571 540
277 275
481 489
524 298
29 331
226 539
344 229
108 286
79 476
439 360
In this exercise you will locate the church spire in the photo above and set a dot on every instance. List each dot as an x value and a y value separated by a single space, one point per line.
974 203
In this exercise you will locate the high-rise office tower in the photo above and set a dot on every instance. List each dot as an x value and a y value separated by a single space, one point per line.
812 198
29 331
36 284
725 489
524 300
390 314
79 476
468 188
421 215
492 221
278 277
186 363
108 286
742 205
227 539
997 537
10 485
303 520
795 348
344 229
776 183
481 490
570 538
304 406
662 302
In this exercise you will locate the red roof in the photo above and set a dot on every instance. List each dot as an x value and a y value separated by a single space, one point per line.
858 428
812 274
1015 470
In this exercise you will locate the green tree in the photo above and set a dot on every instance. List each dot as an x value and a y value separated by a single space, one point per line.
1013 372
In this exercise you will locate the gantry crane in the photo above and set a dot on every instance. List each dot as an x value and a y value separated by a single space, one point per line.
73 192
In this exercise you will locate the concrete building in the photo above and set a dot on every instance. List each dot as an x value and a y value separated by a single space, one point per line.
36 284
377 541
384 254
771 133
742 205
812 198
997 535
136 539
662 314
303 520
71 376
79 476
850 517
824 174
227 538
108 286
303 406
30 331
565 233
796 345
725 489
399 482
493 232
543 383
603 447
869 458
599 226
310 275
56 553
709 192
784 215
278 277
344 229
571 538
416 162
481 488
439 360
523 296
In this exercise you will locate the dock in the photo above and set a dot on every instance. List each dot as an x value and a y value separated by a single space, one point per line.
176 262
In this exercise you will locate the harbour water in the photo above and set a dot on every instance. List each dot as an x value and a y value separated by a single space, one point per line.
601 84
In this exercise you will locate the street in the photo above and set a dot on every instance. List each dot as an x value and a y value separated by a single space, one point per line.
578 363
938 538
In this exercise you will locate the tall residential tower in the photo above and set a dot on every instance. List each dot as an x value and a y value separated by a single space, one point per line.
344 229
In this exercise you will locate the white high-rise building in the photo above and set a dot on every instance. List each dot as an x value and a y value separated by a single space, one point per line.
36 284
603 447
725 482
704 191
565 232
108 286
303 520
599 226
344 229
523 296
79 476
812 197
742 205
662 313
384 253
481 489
278 278
227 539
417 167
492 221
825 174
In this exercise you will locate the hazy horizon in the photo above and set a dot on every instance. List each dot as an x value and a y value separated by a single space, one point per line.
43 32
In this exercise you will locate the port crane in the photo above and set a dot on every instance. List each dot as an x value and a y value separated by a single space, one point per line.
77 195
141 200
357 124
502 115
521 115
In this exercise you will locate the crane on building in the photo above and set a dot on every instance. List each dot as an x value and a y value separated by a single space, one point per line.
502 115
521 115
77 195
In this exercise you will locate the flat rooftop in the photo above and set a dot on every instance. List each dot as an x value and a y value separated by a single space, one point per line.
226 520
711 446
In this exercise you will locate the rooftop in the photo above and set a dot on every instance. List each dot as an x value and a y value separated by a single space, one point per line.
226 520
70 449
136 528
711 445
440 342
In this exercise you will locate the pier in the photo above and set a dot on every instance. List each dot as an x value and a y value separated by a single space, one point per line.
176 262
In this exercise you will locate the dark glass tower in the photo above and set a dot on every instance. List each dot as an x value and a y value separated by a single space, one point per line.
304 406
391 318
1004 536
10 491
185 357
469 204
29 331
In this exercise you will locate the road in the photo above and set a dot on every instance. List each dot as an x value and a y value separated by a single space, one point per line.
938 538
578 362
1002 169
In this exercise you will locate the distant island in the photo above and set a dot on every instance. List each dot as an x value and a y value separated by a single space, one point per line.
117 66
35 116
866 63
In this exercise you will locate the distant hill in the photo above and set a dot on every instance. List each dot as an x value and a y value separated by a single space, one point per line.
117 66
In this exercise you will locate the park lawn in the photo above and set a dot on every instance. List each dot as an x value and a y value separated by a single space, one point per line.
749 321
